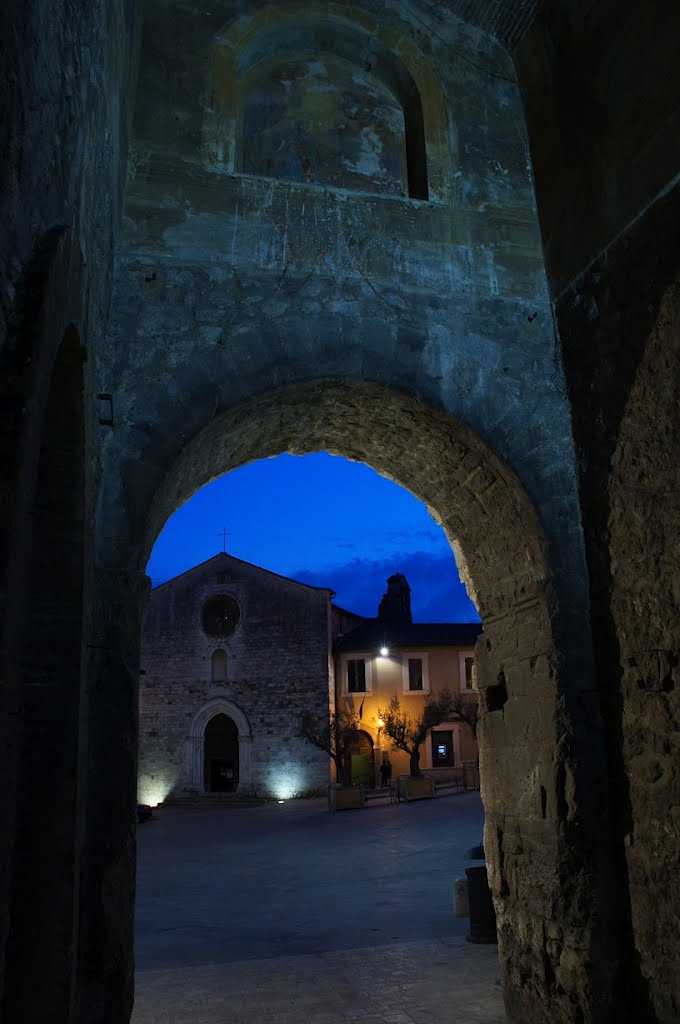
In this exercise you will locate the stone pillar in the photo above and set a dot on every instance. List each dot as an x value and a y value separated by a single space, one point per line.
546 830
106 949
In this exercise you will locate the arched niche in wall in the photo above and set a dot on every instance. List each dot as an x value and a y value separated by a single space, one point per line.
47 845
321 95
43 616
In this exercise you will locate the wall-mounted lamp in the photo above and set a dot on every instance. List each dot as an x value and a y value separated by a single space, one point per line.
384 651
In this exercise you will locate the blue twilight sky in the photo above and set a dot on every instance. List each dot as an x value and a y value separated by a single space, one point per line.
322 520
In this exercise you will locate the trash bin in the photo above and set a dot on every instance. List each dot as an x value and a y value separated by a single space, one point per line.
482 913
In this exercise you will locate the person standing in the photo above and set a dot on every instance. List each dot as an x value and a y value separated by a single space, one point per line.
385 772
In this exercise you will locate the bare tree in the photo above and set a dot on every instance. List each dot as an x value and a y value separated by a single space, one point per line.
407 734
335 735
465 710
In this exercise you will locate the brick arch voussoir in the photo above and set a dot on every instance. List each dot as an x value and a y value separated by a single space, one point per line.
480 503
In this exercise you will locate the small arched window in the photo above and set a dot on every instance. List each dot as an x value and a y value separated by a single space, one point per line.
219 666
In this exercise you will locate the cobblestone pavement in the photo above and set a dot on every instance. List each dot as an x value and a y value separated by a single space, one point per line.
409 983
283 914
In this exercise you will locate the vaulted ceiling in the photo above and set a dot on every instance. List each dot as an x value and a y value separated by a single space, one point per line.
507 20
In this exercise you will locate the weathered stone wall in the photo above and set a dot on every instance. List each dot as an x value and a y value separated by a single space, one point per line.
277 668
231 285
645 556
241 302
606 169
623 365
599 83
64 79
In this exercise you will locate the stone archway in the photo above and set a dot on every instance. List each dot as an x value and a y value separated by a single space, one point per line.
195 744
541 752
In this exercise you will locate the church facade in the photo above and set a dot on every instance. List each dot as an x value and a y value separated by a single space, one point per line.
232 655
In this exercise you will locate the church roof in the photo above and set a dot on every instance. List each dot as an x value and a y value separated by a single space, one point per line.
225 560
374 633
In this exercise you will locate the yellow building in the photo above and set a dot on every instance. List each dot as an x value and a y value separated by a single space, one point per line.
393 656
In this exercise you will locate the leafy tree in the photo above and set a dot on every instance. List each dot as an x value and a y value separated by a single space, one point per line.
335 735
407 734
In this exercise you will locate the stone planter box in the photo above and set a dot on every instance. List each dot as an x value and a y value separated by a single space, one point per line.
345 798
470 775
415 787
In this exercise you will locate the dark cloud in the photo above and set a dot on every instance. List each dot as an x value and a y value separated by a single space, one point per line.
437 595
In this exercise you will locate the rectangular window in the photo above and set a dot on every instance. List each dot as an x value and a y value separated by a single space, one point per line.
356 675
442 748
469 662
415 673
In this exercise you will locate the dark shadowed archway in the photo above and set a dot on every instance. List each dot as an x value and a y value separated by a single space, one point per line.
220 755
43 912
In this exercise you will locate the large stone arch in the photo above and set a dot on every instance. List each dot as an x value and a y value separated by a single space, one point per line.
543 782
196 738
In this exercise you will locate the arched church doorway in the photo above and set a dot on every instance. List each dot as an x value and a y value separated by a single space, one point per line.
218 749
220 765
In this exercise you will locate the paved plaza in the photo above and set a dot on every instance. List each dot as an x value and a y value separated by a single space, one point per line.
287 913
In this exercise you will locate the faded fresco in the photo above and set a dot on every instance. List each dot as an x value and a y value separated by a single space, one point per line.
324 122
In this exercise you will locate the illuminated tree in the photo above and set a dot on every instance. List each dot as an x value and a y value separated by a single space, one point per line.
335 735
407 734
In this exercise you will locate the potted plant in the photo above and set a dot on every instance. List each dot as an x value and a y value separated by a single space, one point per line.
335 736
408 735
